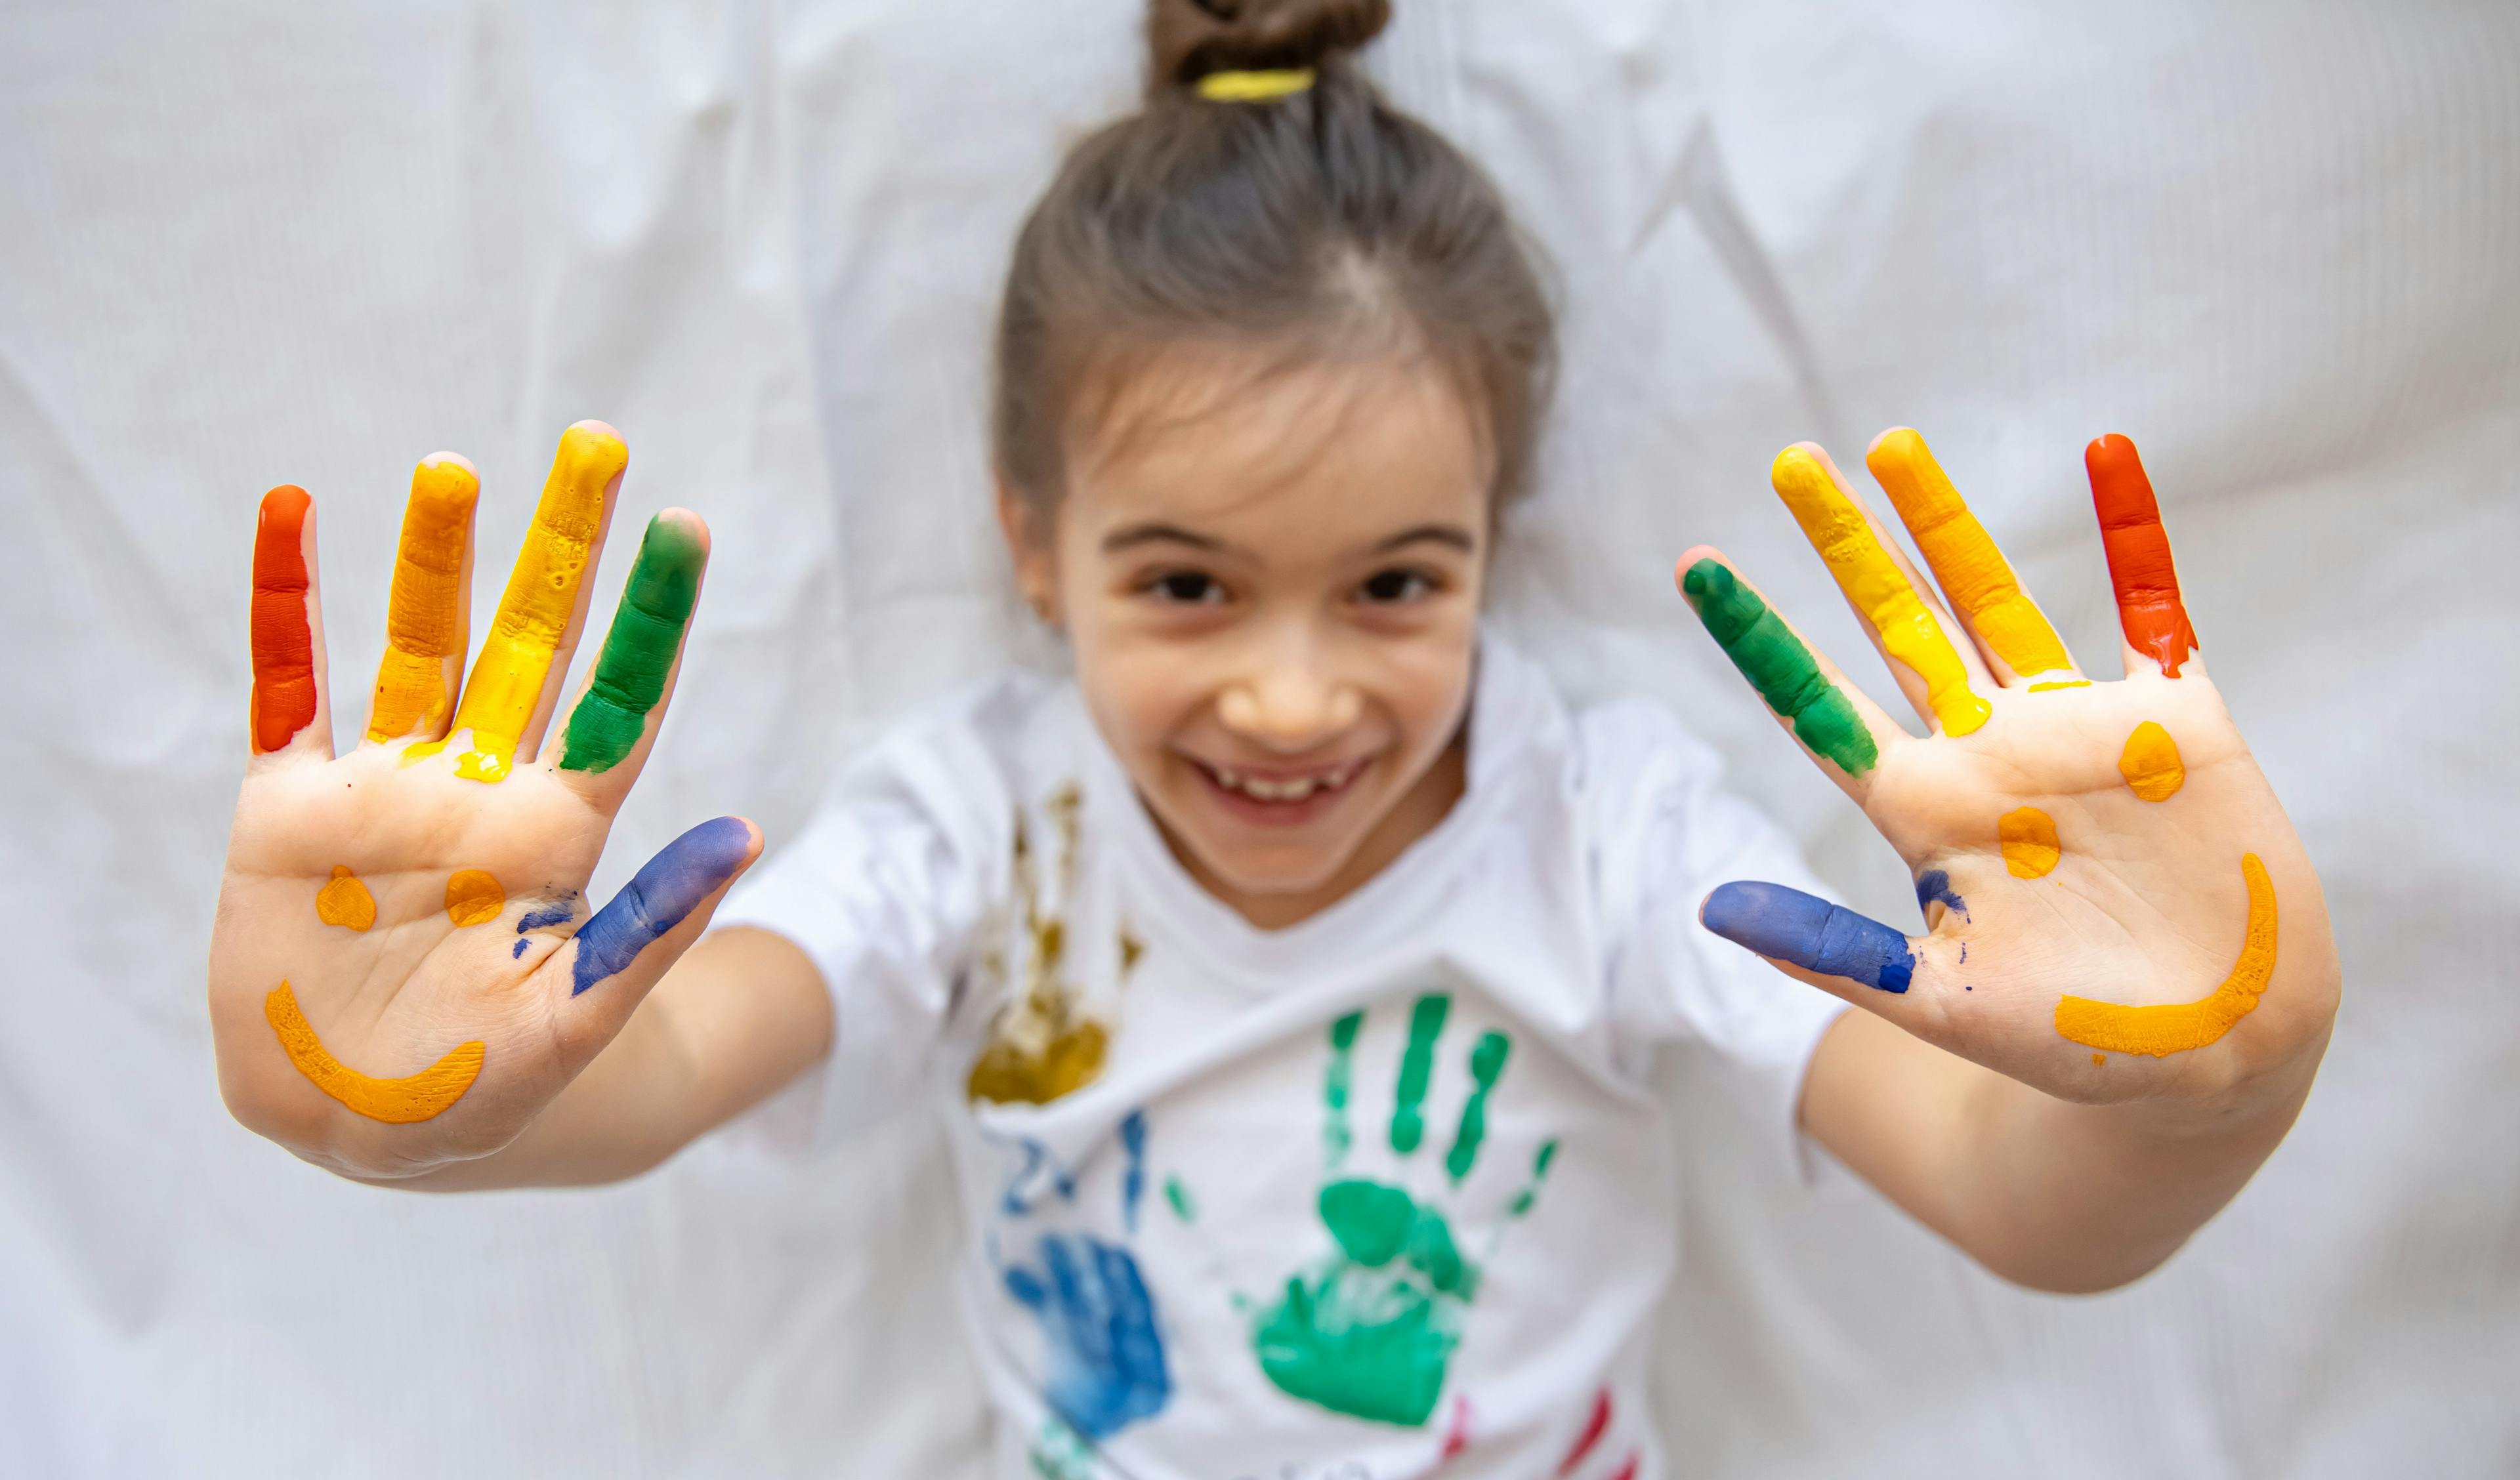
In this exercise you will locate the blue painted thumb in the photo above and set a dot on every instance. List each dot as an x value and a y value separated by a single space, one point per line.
667 888
1788 925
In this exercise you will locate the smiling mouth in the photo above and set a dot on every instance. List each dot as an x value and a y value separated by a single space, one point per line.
1281 794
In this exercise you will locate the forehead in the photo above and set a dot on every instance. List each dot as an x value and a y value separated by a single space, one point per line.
1224 441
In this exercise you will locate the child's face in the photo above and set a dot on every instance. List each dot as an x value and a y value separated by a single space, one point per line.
1271 589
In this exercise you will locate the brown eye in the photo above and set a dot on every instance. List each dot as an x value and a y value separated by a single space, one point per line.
1394 587
1190 588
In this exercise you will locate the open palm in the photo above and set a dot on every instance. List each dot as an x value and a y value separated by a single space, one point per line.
2116 905
401 968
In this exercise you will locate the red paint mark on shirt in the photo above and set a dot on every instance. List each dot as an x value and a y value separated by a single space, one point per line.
2149 610
283 648
1594 1429
1456 1436
1628 1471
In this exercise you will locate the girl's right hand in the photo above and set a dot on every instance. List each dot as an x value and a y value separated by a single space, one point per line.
402 971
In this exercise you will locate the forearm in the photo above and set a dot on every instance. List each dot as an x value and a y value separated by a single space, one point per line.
2059 1196
740 1016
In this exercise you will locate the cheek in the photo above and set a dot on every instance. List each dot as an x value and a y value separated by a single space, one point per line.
1140 691
1430 688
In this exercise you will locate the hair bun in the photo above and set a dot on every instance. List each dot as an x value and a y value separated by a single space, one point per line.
1187 40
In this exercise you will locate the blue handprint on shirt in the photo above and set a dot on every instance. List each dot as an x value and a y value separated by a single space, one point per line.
1102 1352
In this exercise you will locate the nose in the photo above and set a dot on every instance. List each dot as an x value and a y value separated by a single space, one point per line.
1289 699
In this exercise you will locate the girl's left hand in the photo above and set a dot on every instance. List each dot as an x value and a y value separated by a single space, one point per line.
2116 906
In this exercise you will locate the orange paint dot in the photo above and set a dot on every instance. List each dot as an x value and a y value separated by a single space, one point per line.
473 897
2150 763
2029 838
346 901
2100 1059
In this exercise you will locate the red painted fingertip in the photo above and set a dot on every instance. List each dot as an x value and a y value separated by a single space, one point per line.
2141 570
283 643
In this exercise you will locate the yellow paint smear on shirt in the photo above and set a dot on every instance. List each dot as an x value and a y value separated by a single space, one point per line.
1974 572
425 616
2150 763
346 901
2029 838
1877 587
395 1101
473 897
2172 1027
1043 1044
507 682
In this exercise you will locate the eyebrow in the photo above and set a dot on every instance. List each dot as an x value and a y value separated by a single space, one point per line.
1149 532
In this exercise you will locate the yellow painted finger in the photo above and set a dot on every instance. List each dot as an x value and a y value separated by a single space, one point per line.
424 618
396 1101
1974 573
1878 589
509 677
2174 1027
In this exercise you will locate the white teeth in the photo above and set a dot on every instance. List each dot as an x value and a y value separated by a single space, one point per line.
1281 791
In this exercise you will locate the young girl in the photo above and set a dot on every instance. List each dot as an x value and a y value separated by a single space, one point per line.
1288 976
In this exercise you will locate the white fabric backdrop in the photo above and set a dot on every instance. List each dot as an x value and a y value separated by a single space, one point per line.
251 242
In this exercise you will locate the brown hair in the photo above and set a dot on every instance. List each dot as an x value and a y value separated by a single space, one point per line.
1319 223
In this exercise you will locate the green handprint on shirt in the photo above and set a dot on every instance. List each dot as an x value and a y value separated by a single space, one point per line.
1370 1330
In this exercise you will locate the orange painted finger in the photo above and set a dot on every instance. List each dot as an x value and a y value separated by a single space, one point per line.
287 640
1973 572
426 615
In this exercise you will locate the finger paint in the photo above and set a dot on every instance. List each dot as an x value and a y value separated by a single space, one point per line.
666 888
1043 1044
1877 587
395 1101
1936 885
283 643
2141 569
1777 663
639 651
472 897
1965 557
1589 1437
2174 1027
1337 1077
1176 1195
346 901
508 678
548 916
1808 931
2052 687
2028 837
425 614
1418 1070
2150 763
1487 1064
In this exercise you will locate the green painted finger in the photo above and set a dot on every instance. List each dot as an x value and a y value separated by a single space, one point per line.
1416 1070
1487 1062
639 651
1779 667
1335 1086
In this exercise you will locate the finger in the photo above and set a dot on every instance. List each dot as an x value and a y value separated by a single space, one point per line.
1849 956
426 614
609 731
2149 612
1833 720
626 946
2011 632
1940 680
288 711
524 657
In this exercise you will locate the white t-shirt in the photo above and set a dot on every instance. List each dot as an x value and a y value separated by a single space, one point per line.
1377 1195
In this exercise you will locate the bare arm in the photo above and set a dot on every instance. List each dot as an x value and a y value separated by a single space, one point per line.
2065 1197
742 1014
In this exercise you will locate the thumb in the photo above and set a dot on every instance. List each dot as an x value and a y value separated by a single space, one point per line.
626 947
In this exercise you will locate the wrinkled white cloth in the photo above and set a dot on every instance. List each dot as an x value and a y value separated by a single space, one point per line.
1385 1193
263 242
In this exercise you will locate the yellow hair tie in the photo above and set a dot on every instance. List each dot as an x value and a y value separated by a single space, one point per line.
1254 87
